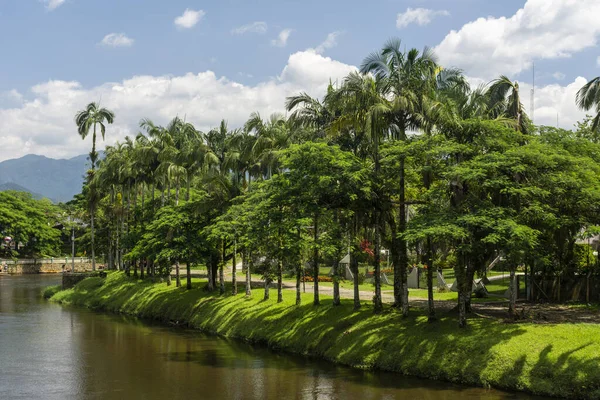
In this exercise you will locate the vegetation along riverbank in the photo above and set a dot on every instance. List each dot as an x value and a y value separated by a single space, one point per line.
549 359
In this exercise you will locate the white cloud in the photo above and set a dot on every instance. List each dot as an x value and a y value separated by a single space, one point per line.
117 40
542 29
53 4
552 101
189 18
330 41
282 38
42 123
255 27
419 16
559 76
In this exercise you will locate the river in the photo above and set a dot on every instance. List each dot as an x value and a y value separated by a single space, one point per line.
52 352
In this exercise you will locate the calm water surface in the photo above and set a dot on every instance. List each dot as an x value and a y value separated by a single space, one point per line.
51 352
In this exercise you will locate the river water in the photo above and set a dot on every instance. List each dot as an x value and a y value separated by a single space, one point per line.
52 352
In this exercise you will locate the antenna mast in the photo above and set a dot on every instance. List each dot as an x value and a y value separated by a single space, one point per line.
532 111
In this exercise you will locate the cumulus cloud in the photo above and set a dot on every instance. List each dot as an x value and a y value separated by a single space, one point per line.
282 38
53 4
419 16
117 40
554 101
542 29
42 123
330 41
189 18
255 27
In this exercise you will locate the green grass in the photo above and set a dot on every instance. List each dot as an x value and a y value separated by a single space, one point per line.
557 360
51 291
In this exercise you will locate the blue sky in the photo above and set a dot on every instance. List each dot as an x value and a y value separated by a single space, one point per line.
54 60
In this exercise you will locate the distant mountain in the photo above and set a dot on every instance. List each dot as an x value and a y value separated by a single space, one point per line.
18 188
58 180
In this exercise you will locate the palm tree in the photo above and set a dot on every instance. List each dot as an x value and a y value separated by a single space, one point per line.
505 101
87 120
409 80
588 97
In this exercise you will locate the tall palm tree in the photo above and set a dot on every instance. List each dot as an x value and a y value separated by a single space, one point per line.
87 120
588 97
409 80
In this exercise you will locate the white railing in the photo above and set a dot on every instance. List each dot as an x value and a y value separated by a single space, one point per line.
52 260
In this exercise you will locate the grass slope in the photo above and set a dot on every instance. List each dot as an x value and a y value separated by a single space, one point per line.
557 360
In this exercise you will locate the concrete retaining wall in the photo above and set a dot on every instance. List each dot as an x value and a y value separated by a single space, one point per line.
47 268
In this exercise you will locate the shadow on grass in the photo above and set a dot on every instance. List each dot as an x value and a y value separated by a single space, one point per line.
543 359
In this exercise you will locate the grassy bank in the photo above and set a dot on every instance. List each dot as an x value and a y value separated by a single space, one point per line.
558 360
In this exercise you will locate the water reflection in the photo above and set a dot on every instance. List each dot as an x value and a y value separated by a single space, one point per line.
50 352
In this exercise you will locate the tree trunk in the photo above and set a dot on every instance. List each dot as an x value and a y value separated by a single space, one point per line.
177 193
462 311
279 281
403 249
316 259
234 289
249 265
142 267
187 192
354 269
336 282
135 270
512 294
298 279
336 266
430 269
188 273
177 276
267 284
221 268
92 237
209 271
377 302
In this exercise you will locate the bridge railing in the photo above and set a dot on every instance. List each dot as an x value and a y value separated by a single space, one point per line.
51 260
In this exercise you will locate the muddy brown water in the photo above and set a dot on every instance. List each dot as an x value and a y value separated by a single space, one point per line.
52 352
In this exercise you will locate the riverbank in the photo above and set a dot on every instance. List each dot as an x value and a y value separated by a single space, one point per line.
556 360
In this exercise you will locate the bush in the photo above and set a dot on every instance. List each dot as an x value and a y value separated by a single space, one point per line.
51 291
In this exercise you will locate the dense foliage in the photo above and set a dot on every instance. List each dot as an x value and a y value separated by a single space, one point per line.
403 156
30 225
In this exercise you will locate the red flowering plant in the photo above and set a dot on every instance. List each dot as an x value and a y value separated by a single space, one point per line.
367 248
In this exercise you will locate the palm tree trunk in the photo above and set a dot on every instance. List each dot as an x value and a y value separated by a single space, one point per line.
187 192
234 289
403 249
177 193
221 266
92 237
377 301
316 259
